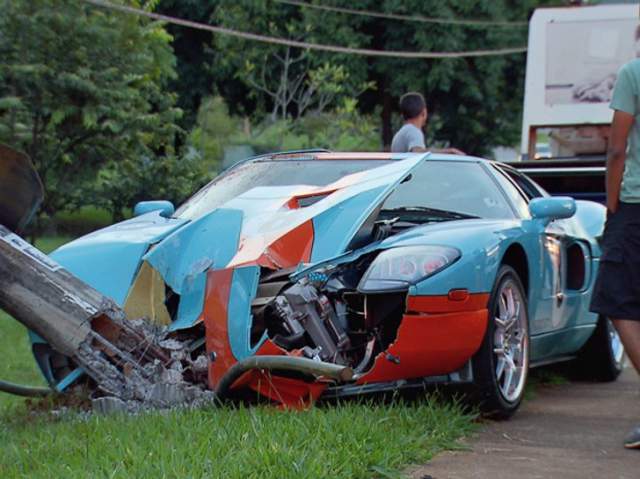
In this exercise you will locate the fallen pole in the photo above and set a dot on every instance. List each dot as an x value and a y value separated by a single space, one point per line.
76 320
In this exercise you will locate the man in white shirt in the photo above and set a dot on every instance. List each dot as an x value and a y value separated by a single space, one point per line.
410 138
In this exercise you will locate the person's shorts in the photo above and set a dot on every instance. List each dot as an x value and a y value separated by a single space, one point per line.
616 293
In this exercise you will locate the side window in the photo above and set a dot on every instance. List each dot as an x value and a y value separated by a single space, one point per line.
461 187
517 197
525 185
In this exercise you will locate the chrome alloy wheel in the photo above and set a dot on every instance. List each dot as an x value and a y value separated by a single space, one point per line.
617 349
511 341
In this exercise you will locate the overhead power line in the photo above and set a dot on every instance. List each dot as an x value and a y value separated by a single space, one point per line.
408 18
306 45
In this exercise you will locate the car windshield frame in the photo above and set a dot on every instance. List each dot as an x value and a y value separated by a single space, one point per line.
355 165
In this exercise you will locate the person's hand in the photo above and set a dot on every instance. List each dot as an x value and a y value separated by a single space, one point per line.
612 207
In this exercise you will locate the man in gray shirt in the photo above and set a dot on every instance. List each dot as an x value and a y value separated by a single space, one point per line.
616 293
410 138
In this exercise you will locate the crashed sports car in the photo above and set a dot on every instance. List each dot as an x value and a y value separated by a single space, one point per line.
404 269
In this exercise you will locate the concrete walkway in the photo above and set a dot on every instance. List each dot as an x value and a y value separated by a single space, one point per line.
569 431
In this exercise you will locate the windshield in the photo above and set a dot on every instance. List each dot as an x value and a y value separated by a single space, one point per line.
270 173
447 190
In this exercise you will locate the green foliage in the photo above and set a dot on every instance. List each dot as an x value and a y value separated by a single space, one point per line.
121 184
193 53
83 92
284 81
351 440
80 222
343 129
212 132
91 94
475 103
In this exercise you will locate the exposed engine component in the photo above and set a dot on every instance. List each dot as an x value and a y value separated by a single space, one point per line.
325 317
304 310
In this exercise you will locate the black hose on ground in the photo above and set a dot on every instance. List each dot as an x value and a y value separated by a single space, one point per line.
282 363
25 391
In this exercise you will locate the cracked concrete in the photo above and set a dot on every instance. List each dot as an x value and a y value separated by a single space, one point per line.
571 431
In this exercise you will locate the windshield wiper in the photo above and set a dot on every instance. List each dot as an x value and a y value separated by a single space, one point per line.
431 212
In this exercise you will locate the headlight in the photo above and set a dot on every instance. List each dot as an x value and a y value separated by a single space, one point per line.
398 268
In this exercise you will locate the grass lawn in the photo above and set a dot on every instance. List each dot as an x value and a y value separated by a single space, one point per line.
352 440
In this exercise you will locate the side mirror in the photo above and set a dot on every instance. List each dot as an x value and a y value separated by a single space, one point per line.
166 208
552 208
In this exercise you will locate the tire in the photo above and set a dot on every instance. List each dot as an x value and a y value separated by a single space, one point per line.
500 374
602 357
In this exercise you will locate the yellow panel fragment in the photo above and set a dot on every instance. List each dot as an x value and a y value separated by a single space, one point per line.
146 297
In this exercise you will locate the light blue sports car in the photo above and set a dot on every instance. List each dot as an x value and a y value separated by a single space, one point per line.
402 269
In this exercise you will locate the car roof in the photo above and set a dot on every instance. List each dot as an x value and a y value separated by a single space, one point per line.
355 155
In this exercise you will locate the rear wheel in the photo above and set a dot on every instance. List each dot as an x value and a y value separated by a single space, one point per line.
602 357
501 365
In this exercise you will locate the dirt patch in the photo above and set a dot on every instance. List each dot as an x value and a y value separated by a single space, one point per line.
569 431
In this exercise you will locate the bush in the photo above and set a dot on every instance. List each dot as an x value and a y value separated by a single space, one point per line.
218 133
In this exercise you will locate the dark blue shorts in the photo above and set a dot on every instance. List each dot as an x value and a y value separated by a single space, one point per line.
616 293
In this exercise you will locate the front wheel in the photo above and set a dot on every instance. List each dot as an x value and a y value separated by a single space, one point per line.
501 365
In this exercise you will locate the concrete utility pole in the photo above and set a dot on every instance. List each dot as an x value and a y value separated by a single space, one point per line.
76 320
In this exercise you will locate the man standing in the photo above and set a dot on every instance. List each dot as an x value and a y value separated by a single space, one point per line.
617 290
410 138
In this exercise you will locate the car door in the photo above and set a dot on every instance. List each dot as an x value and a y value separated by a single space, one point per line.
546 294
560 296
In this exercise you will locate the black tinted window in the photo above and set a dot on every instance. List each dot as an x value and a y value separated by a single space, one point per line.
526 186
518 198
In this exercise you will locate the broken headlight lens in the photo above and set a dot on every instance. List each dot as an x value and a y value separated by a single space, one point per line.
398 268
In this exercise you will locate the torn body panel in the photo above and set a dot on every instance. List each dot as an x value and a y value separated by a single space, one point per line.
79 322
436 336
271 227
108 259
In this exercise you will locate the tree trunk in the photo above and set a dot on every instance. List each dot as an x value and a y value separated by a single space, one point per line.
387 109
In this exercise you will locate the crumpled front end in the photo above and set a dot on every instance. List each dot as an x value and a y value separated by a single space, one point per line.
324 315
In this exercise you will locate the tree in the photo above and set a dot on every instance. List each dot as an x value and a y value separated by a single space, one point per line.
475 103
284 81
121 184
194 55
82 89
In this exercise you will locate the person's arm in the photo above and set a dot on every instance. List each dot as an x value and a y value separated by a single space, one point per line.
415 140
623 103
616 156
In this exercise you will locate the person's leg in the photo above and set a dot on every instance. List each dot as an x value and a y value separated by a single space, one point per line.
629 332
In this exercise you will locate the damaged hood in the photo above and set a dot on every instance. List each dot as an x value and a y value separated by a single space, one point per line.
275 227
108 259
